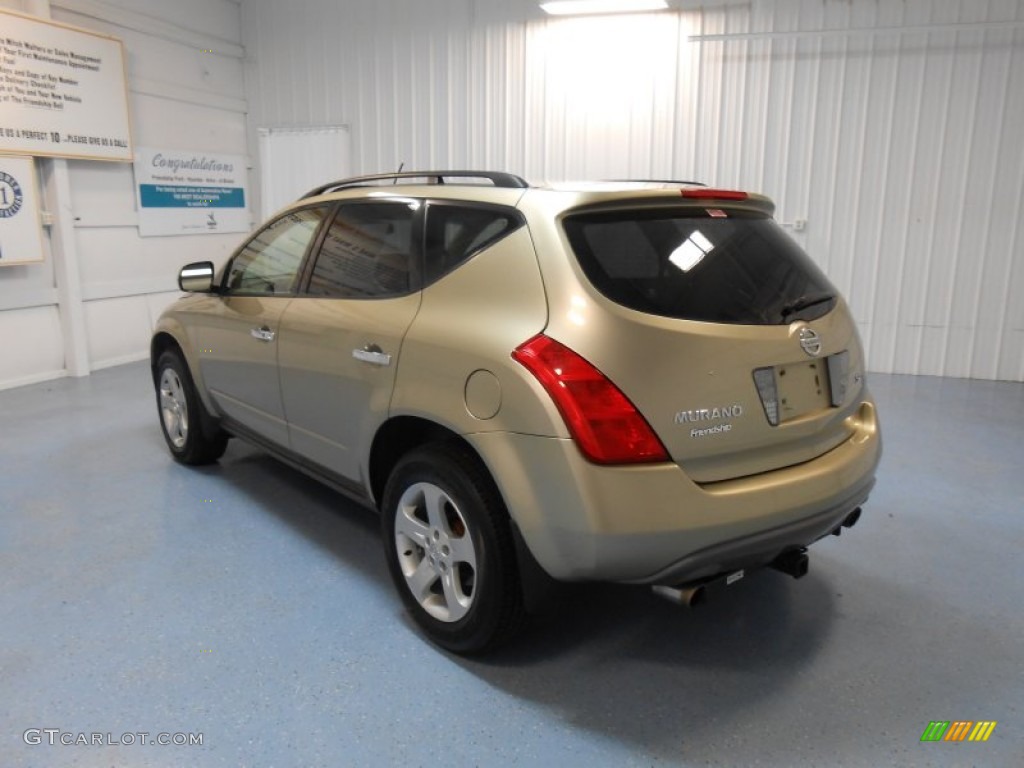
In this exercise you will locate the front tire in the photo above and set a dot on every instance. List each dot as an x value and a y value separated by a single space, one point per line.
450 550
185 425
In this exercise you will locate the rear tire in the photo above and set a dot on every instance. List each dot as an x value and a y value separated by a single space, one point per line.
450 550
188 430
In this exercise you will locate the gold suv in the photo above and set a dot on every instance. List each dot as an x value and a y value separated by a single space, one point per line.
638 382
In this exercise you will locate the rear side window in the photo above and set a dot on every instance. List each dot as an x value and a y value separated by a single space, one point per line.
367 253
456 232
718 267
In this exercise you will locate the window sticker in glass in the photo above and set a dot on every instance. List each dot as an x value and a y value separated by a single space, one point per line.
367 252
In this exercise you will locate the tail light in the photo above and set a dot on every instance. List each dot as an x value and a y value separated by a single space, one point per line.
605 425
706 193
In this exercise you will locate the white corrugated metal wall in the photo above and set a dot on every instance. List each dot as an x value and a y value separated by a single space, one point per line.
292 162
891 127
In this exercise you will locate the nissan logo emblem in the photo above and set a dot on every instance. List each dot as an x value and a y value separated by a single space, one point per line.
810 341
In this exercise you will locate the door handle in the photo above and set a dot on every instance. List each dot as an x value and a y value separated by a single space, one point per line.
371 353
263 334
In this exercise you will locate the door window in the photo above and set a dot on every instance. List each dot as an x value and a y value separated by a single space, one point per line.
270 261
367 252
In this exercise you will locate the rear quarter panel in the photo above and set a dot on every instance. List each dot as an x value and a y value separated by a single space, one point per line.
471 320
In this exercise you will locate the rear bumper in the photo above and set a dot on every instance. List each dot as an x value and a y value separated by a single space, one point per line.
759 548
652 524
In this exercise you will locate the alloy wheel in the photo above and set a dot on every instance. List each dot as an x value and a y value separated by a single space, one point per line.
173 408
435 552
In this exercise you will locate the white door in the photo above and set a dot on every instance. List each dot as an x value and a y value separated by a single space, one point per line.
295 160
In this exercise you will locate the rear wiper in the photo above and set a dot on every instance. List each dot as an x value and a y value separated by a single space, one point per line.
804 302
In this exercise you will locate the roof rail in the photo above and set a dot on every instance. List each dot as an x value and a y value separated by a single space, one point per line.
497 178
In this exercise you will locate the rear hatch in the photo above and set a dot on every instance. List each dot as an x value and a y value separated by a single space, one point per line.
728 339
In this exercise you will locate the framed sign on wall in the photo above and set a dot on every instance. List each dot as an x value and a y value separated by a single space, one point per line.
63 91
21 237
181 192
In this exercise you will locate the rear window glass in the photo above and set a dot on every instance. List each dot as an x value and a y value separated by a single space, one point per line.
718 267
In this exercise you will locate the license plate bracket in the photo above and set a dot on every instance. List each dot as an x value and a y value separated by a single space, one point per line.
803 388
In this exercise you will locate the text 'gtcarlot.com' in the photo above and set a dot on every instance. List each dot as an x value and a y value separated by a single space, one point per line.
55 736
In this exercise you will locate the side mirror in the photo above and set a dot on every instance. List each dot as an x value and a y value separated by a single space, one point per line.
196 277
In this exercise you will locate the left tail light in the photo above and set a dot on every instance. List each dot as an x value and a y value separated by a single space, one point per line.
605 425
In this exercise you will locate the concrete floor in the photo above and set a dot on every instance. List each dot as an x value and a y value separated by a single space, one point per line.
244 603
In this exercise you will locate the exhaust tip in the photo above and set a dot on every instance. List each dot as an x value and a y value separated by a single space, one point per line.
852 518
691 597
